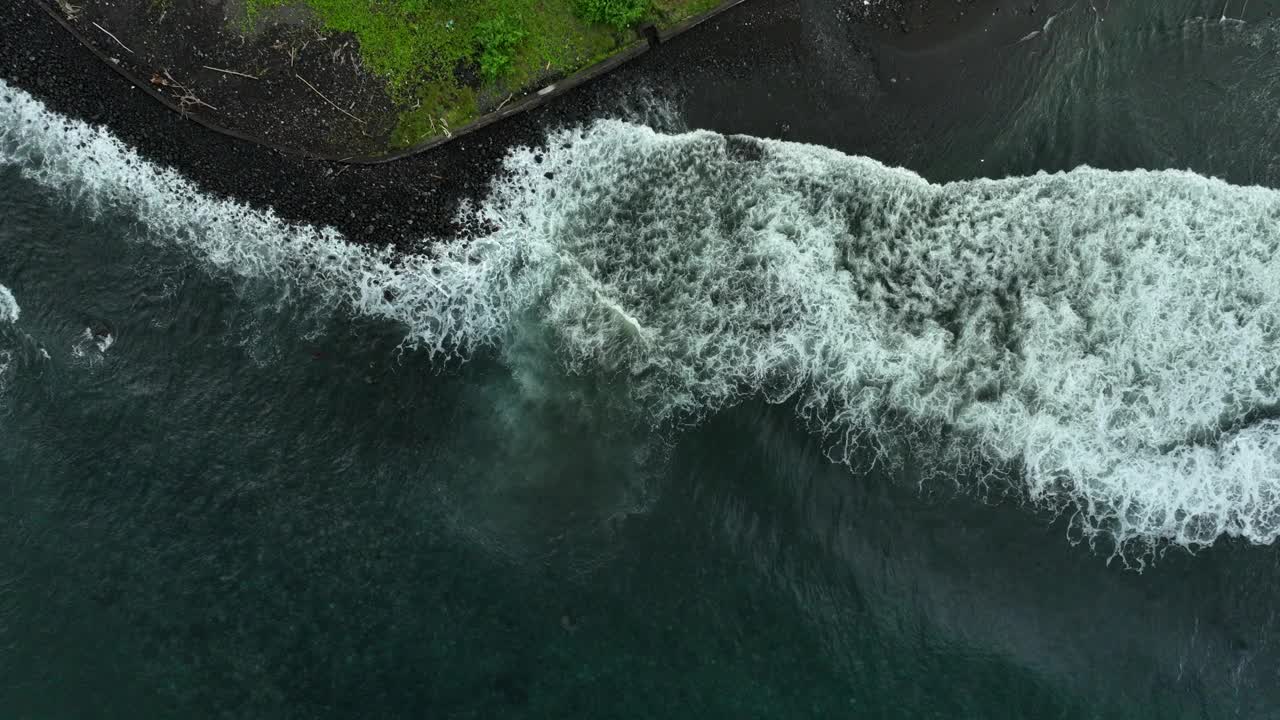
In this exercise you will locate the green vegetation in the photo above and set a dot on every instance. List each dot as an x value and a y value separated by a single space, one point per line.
621 14
674 11
446 61
498 38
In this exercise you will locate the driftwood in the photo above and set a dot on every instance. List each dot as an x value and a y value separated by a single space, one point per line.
322 97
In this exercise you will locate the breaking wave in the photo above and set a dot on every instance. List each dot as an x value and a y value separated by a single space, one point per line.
1106 341
9 309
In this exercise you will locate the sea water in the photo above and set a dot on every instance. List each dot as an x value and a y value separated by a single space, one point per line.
704 425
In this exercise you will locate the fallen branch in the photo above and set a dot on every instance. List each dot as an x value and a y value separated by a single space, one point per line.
230 72
504 102
322 97
188 98
113 37
71 11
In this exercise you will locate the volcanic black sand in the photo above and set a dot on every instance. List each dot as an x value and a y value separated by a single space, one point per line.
171 46
804 70
290 82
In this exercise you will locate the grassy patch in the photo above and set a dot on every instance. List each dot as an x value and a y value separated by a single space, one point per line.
621 14
498 38
432 114
445 61
674 11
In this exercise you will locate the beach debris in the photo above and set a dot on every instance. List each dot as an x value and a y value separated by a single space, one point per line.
288 49
322 97
72 12
444 126
336 55
187 98
230 72
113 37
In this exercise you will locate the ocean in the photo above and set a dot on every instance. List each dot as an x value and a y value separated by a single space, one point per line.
697 425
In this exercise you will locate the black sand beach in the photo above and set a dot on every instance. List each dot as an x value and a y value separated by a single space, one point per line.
801 70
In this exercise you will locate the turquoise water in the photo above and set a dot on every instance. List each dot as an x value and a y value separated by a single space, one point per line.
707 428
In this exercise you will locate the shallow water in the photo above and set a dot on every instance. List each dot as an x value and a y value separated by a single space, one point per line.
248 478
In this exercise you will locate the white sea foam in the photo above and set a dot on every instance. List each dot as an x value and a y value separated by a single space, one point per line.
1110 337
9 309
97 171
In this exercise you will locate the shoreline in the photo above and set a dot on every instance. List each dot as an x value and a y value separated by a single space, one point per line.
277 107
399 203
751 76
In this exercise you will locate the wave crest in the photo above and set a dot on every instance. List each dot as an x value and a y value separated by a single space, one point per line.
1109 336
1107 339
9 309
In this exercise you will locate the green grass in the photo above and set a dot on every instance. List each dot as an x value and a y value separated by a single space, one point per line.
498 39
621 14
446 61
673 11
